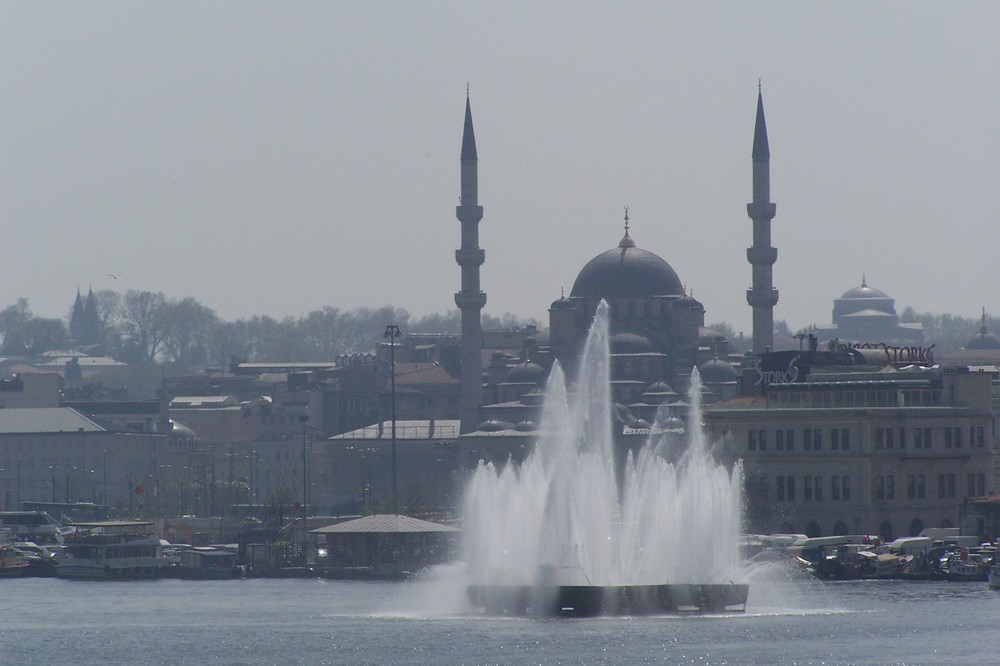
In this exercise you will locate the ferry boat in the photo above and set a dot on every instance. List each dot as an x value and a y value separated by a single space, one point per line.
112 549
35 526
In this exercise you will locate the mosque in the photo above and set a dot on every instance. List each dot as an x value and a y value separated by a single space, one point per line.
658 331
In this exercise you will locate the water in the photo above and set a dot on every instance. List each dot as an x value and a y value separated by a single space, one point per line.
562 517
790 620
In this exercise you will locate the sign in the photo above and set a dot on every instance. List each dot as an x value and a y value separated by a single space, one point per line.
782 376
897 355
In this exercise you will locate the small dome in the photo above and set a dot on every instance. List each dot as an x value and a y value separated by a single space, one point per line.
659 393
526 426
525 373
709 337
495 425
717 371
179 431
562 304
630 343
985 339
626 271
689 302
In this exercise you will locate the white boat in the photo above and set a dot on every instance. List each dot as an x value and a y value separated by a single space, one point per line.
36 526
994 576
112 549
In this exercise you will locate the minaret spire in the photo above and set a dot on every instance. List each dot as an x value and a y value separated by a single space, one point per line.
470 300
762 296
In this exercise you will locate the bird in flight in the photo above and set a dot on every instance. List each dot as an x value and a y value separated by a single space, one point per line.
113 275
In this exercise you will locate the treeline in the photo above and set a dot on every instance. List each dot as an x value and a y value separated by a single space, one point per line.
142 326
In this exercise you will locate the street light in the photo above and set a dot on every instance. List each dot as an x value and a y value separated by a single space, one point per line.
392 332
303 418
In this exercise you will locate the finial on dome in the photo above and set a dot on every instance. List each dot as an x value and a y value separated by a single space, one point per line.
562 292
864 281
626 239
982 323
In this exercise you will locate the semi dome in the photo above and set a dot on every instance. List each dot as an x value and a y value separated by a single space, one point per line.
985 339
627 342
627 271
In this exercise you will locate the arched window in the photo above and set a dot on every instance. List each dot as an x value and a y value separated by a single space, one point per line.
840 528
916 527
812 530
885 531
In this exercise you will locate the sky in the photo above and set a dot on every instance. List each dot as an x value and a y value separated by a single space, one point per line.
275 158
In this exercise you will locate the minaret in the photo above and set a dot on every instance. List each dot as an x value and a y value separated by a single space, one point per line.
762 296
471 299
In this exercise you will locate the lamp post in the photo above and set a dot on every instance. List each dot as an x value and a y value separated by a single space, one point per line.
392 332
52 469
303 418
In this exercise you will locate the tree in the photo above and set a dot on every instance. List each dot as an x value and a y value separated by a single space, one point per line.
14 316
144 326
189 329
37 336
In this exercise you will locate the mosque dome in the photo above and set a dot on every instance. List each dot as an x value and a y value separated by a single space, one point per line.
717 371
985 339
626 271
525 373
626 342
709 337
689 302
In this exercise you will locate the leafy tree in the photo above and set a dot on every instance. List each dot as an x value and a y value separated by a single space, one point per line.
37 336
145 326
14 316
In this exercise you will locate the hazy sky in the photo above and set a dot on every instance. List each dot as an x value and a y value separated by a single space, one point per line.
274 158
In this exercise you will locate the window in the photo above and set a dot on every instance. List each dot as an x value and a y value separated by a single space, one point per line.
980 484
845 438
902 437
807 488
790 440
947 438
951 485
958 437
941 485
970 485
762 439
779 488
818 488
779 440
834 440
890 487
845 491
879 438
879 487
911 487
817 439
928 438
918 439
835 487
920 486
752 440
807 439
888 438
790 488
976 435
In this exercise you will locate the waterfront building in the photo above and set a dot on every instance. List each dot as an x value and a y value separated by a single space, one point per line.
846 441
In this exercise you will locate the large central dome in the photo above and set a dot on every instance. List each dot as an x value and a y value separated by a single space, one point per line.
627 271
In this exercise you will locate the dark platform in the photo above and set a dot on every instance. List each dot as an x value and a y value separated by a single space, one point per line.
590 601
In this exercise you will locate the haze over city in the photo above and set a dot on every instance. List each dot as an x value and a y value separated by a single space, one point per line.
275 159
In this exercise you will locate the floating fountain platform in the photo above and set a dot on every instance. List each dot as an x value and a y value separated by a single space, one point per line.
594 600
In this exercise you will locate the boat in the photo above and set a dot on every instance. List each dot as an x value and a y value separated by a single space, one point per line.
112 549
206 563
35 526
41 561
994 576
12 565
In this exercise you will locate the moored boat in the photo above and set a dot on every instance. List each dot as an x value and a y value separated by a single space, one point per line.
112 549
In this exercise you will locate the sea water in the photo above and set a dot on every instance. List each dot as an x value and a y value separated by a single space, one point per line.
790 619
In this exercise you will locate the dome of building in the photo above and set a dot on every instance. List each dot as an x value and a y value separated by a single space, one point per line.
525 373
180 432
659 393
562 304
626 271
717 371
985 339
709 337
864 291
630 343
526 426
689 302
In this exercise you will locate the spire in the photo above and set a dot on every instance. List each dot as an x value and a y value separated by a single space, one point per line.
864 281
760 148
982 326
469 134
626 240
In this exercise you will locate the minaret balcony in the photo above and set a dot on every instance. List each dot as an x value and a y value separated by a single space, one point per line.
761 211
474 257
474 300
762 299
762 256
469 213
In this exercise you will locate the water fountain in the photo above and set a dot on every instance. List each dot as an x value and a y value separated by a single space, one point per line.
569 531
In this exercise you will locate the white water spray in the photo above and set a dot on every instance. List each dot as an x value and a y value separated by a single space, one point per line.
560 518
